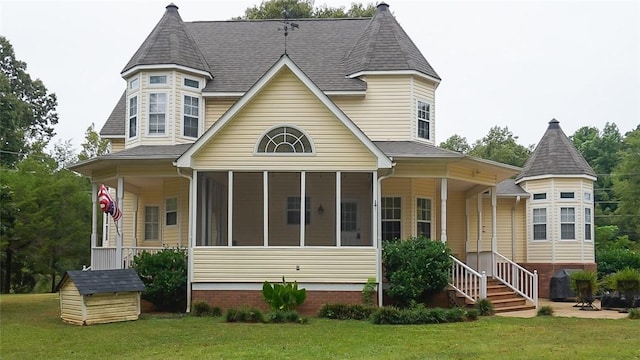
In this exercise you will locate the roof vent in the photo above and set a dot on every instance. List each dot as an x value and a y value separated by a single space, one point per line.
172 6
554 124
383 6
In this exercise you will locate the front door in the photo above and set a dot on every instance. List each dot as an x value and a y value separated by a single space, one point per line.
350 223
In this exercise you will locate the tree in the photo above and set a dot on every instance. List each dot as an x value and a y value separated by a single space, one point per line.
301 9
27 109
93 145
456 143
500 145
626 183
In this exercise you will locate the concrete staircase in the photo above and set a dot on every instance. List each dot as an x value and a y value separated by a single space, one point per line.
503 298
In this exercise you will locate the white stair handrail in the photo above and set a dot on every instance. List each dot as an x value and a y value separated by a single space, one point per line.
516 277
470 283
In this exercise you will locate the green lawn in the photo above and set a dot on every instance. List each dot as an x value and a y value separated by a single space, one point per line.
30 328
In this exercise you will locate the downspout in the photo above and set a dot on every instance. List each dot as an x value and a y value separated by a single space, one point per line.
513 228
379 234
190 239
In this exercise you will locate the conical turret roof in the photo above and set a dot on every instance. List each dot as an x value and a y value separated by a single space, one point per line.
555 155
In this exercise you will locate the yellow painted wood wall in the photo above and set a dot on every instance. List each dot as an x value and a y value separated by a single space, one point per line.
111 307
71 304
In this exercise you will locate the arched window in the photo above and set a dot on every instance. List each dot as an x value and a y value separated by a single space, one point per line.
285 139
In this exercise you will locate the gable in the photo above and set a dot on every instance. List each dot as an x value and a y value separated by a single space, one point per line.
285 100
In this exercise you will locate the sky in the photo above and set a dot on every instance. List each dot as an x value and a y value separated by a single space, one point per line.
511 64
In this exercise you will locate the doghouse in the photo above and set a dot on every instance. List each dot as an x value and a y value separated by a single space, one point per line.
100 296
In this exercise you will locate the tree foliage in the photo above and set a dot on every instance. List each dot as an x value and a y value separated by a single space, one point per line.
27 109
164 275
456 143
626 184
301 9
501 145
93 145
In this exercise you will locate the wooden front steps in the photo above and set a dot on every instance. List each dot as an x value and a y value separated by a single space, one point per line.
501 296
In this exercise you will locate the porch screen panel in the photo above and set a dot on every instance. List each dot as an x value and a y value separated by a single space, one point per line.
284 209
356 209
321 193
248 209
211 215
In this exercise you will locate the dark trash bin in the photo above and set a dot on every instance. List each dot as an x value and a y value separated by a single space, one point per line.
560 287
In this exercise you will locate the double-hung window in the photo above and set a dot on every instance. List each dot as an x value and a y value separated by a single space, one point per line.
157 113
391 217
567 223
151 223
423 113
423 209
587 223
171 211
540 224
191 116
133 116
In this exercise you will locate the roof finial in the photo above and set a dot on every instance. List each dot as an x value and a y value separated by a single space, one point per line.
287 26
554 124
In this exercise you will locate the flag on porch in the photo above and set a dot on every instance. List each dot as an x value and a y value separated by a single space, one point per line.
107 204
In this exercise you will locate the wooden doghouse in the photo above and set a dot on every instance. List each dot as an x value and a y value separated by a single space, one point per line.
100 296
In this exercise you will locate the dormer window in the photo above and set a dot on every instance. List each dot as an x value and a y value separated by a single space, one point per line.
423 113
157 79
192 83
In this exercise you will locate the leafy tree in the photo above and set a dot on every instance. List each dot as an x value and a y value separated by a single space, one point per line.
626 183
164 275
500 145
27 109
93 145
456 143
301 9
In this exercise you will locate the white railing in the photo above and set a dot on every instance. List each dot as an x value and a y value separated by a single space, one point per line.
470 283
519 279
104 258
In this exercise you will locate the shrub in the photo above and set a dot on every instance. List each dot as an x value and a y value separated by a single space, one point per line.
346 311
368 291
216 311
420 315
201 308
545 311
584 284
164 275
472 314
247 315
415 268
484 307
283 296
612 260
634 314
285 316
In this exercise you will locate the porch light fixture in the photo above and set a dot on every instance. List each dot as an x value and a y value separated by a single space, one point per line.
320 210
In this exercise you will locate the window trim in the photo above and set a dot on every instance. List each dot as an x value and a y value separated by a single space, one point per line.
129 117
588 233
166 114
534 223
567 195
157 223
198 117
191 88
305 135
167 211
130 84
428 221
428 120
382 215
568 223
164 84
587 197
541 196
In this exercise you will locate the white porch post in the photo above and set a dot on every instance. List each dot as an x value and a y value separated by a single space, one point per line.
120 230
443 210
494 229
479 224
303 205
94 219
230 209
338 208
135 222
193 211
467 213
265 208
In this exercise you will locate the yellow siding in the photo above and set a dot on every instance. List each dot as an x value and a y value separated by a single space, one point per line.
539 251
424 91
316 265
171 108
166 169
71 303
151 195
456 224
127 220
170 233
471 175
117 145
401 187
106 308
419 169
386 111
285 100
216 108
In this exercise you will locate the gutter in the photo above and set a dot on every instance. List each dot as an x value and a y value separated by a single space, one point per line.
379 234
190 239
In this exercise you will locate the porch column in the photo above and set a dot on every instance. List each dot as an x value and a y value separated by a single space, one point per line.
94 219
479 224
443 210
303 205
120 196
467 215
230 209
135 222
265 208
338 208
494 228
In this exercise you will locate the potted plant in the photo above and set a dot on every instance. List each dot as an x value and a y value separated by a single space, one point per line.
627 282
584 285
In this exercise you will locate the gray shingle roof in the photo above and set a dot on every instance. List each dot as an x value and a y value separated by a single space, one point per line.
384 45
104 281
509 187
150 151
415 149
169 43
555 155
114 126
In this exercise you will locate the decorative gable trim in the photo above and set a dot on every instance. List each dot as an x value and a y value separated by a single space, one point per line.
552 176
186 159
395 72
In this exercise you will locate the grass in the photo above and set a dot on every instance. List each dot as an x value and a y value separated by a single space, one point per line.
30 328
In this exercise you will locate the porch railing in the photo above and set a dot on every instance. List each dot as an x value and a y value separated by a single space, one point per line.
104 258
519 279
470 283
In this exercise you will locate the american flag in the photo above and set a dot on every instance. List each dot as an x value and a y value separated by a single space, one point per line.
107 204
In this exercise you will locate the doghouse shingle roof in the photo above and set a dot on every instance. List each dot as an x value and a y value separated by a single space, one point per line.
104 281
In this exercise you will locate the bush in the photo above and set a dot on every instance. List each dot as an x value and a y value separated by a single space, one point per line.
472 314
368 290
634 314
216 311
285 316
415 268
584 284
283 296
484 307
246 315
420 315
346 311
200 308
164 275
545 311
613 260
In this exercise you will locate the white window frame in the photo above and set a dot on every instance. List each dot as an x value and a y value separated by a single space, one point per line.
420 119
567 219
383 214
535 221
165 83
197 117
136 116
587 197
191 88
419 216
134 84
570 195
148 222
544 196
588 224
166 103
269 135
168 211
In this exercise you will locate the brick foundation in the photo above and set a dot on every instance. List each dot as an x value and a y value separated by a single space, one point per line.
226 299
546 272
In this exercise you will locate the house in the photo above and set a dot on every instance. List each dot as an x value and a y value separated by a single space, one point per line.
222 136
100 296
